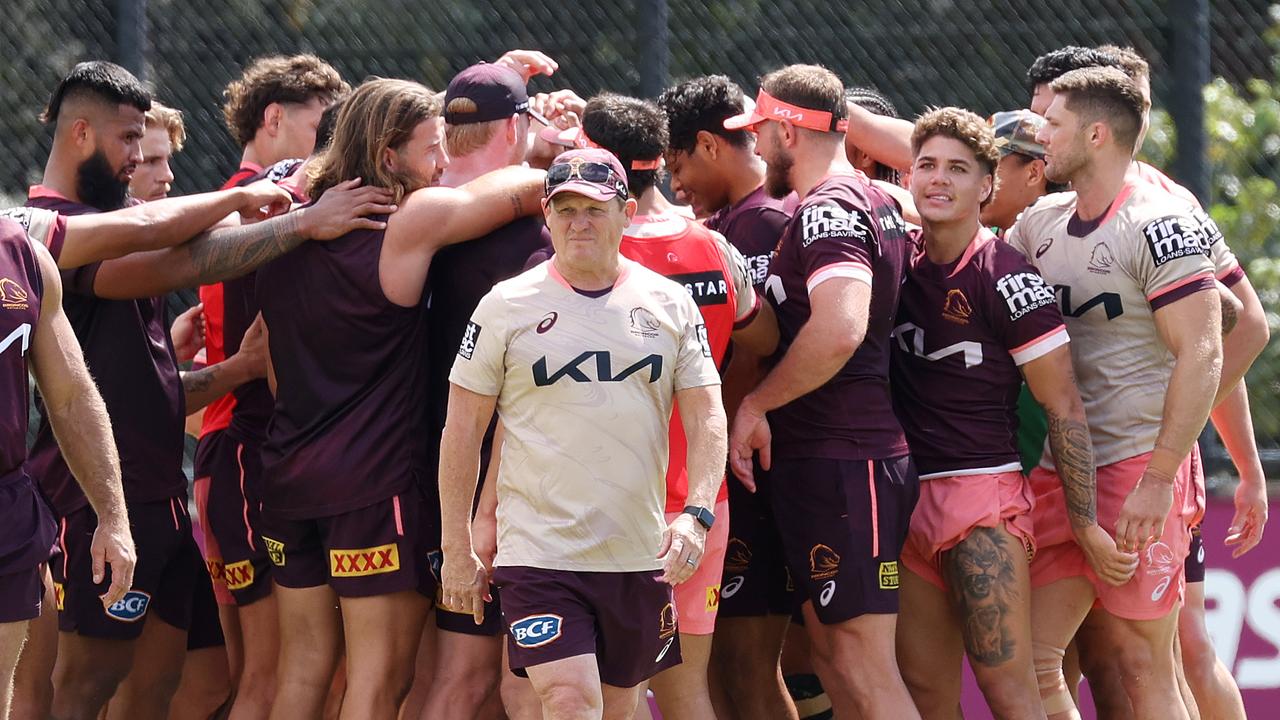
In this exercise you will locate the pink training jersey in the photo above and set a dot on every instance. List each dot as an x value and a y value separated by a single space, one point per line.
963 330
844 228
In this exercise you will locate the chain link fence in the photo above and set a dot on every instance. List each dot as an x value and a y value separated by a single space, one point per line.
918 52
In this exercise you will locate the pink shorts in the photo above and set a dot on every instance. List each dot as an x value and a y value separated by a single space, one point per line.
698 598
209 545
951 507
1157 586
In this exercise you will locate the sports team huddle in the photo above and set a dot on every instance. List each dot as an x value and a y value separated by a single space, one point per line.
491 425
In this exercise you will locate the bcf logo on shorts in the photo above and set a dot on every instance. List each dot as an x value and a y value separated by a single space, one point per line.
536 630
131 607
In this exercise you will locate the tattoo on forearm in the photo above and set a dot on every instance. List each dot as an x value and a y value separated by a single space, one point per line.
231 252
199 381
1229 317
984 590
1073 455
517 206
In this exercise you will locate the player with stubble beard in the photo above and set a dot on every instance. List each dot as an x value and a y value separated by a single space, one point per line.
1246 334
845 485
117 310
1147 351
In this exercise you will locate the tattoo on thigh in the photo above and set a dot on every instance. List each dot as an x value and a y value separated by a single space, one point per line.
983 587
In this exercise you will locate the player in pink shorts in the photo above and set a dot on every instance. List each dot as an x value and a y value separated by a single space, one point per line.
974 318
1158 585
1137 293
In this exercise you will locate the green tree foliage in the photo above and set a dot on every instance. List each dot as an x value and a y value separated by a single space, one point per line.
1243 124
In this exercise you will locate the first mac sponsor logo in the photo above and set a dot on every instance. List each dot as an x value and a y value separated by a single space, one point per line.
537 630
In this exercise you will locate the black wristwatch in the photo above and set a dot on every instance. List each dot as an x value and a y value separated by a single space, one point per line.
704 516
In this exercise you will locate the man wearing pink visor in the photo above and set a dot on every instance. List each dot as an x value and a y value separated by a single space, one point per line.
843 483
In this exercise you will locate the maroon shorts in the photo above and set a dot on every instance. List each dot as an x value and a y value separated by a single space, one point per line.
755 581
374 550
626 619
164 580
843 524
461 623
234 512
20 595
27 533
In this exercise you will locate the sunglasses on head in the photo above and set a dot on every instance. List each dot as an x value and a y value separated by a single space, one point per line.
593 172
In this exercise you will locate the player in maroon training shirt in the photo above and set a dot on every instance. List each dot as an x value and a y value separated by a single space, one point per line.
844 483
973 319
344 459
116 308
36 340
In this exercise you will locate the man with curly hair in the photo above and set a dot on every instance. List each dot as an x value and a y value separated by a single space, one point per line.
724 178
961 352
272 112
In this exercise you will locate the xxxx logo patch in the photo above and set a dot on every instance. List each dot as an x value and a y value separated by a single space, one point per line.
239 575
364 561
59 595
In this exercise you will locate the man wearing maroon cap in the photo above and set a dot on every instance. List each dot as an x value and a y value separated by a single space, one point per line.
844 485
583 357
486 110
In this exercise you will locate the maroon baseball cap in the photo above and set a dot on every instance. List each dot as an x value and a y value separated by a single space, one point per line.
568 173
497 91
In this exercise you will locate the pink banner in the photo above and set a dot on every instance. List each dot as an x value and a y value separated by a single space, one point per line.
1241 612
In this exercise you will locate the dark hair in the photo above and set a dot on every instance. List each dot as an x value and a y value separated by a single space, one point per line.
873 101
328 119
631 128
277 79
1104 94
101 80
808 86
702 103
1053 65
1128 60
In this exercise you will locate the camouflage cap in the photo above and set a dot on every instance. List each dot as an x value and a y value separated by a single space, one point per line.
1016 132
